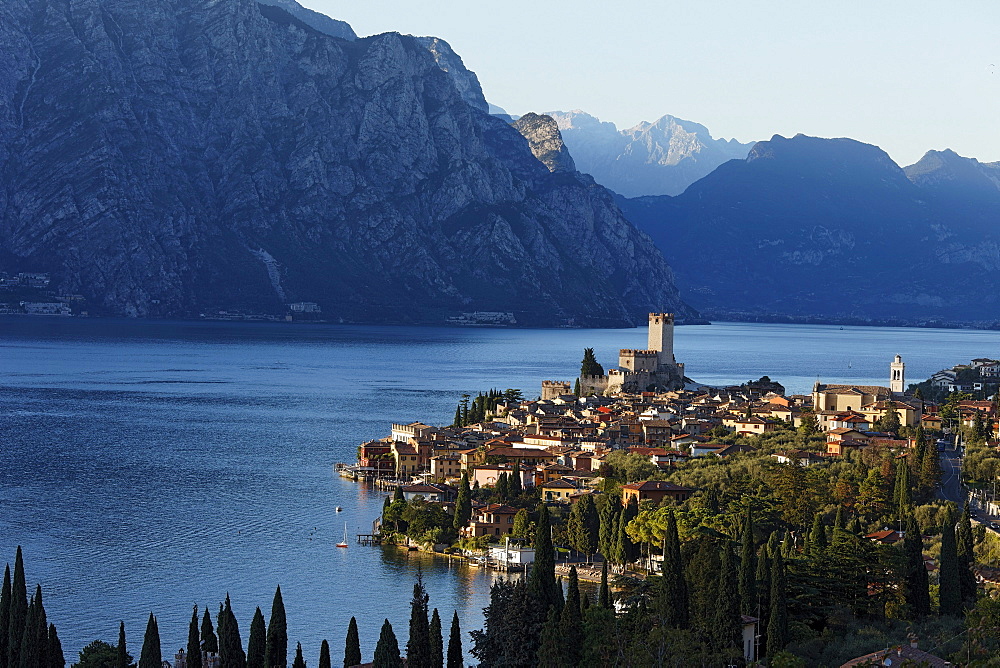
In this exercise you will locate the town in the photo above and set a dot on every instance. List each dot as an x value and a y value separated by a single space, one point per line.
616 456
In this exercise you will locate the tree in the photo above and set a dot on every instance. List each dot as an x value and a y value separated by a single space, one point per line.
748 568
209 641
672 600
817 536
34 640
589 366
352 648
889 422
808 425
522 525
299 661
608 524
584 526
463 504
387 649
727 626
231 654
455 659
324 654
915 581
571 621
514 483
193 643
872 501
18 612
966 557
55 653
5 595
437 640
276 647
123 658
418 647
542 579
576 387
97 654
550 647
397 495
150 656
604 595
777 622
257 644
951 593
901 496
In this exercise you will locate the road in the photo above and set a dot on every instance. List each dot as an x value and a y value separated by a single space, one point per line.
951 477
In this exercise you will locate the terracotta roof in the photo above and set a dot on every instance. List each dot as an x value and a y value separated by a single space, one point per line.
657 486
559 483
896 656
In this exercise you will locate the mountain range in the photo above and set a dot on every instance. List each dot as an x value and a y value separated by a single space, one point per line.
659 158
180 157
833 228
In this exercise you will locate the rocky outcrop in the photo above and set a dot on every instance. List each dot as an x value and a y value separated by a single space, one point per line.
545 141
321 22
659 158
465 79
183 156
832 228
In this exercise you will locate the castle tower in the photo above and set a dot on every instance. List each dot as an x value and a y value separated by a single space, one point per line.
661 336
897 375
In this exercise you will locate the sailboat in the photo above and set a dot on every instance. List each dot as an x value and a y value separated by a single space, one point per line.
344 544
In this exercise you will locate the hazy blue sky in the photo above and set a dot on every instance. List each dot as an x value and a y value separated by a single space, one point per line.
907 75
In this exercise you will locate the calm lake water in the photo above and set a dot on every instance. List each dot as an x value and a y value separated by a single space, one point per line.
149 466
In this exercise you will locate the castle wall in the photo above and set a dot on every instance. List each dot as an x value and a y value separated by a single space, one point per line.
553 388
593 385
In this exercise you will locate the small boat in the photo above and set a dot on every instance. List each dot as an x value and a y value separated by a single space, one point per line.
344 544
339 509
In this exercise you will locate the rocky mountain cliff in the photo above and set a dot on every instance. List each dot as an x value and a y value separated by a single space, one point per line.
545 142
831 228
660 158
183 156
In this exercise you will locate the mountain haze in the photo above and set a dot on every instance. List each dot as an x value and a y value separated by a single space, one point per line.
832 228
183 156
659 158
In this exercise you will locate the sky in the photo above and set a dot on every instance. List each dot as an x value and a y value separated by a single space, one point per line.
908 76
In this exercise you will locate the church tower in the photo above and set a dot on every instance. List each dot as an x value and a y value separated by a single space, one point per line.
897 375
661 337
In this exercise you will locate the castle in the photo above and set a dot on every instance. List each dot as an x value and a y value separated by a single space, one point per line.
639 370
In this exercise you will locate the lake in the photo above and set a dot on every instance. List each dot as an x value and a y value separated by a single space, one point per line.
148 466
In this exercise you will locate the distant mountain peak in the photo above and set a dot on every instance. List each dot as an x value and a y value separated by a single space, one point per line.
661 157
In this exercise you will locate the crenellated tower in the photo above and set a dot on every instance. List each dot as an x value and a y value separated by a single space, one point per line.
661 337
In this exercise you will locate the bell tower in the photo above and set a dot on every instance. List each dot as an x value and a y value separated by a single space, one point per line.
897 375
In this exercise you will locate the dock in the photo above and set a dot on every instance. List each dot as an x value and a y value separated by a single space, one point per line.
369 539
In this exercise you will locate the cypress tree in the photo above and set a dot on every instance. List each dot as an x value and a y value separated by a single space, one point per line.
257 644
787 546
209 641
324 654
455 659
437 640
299 661
901 496
276 646
193 643
502 488
550 649
122 658
397 495
542 579
150 656
966 556
589 366
777 623
5 595
418 647
55 651
630 512
576 387
463 504
387 649
516 488
608 526
763 581
231 654
817 537
34 640
838 522
915 581
352 648
673 595
604 597
571 622
748 568
458 417
950 591
727 626
18 612
27 657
